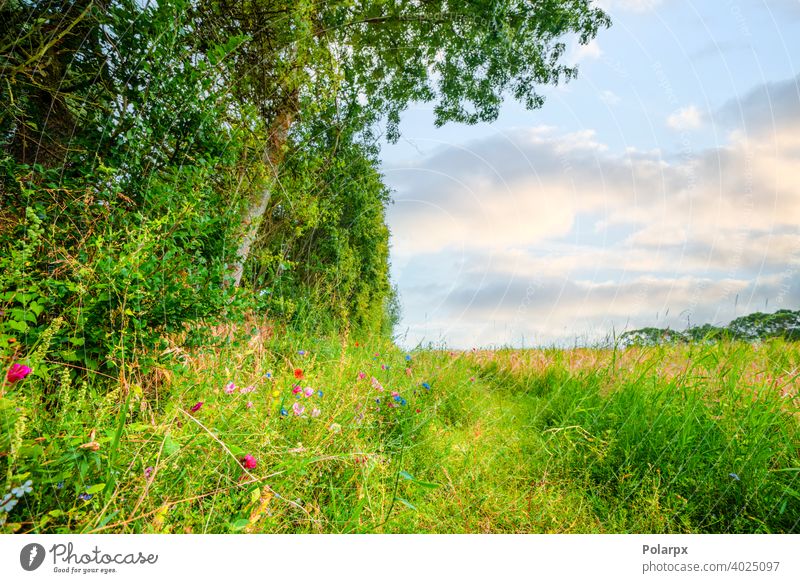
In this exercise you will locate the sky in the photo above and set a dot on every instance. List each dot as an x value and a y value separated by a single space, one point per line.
659 188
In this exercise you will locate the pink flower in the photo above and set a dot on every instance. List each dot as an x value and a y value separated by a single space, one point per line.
148 471
315 412
296 390
17 372
408 371
196 407
376 384
395 394
249 462
361 375
309 391
249 404
246 390
230 388
298 409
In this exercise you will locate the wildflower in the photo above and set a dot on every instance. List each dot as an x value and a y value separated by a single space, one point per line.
378 400
85 497
249 404
472 379
7 503
361 375
395 394
296 389
377 354
408 371
246 390
403 402
230 388
335 427
376 384
268 375
408 357
734 476
384 367
308 392
419 410
60 486
17 372
284 412
315 412
249 462
397 398
319 393
426 386
26 488
356 344
298 409
148 472
301 352
298 373
275 393
196 407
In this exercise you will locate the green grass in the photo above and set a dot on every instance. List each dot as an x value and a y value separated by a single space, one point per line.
698 438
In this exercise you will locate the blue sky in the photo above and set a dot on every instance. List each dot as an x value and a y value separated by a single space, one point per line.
656 189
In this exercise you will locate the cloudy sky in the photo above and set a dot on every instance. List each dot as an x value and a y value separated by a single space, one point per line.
661 187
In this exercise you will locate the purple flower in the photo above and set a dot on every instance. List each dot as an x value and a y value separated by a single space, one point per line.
196 407
148 471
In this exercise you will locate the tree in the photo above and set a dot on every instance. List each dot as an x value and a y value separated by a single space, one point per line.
374 57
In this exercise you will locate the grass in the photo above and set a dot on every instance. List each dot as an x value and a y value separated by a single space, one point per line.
697 438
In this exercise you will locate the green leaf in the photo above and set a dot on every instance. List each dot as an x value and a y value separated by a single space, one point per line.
239 523
95 488
406 503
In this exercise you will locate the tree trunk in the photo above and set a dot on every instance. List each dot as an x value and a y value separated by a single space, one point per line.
273 155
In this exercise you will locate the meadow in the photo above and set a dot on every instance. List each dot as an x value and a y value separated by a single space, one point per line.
258 429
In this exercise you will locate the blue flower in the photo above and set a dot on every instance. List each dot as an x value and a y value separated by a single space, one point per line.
7 503
378 400
408 357
301 352
268 375
402 402
734 476
320 393
397 398
284 412
26 488
426 386
60 485
85 497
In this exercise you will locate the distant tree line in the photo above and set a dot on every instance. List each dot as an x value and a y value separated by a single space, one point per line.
756 326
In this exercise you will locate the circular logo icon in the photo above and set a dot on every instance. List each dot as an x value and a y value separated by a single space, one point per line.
31 556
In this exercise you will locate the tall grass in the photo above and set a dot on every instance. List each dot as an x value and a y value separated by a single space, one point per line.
698 438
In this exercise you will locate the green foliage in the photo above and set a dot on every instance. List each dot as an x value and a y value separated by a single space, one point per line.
325 242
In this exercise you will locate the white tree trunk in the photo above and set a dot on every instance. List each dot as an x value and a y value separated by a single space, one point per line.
273 154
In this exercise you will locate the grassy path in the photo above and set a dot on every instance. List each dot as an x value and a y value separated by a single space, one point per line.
262 433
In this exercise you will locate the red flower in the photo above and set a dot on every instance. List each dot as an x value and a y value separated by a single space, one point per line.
196 407
298 373
17 372
249 462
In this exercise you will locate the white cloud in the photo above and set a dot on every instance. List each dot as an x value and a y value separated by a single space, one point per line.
590 50
686 118
609 97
